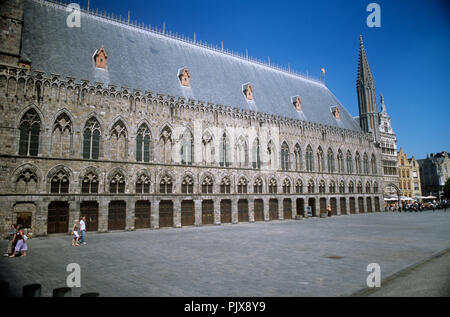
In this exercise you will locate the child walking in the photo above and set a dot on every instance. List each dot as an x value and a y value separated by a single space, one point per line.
75 233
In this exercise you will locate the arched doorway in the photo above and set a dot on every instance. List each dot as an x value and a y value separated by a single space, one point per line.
187 213
142 214
225 211
259 210
343 206
287 208
243 210
165 213
58 217
312 204
361 205
369 204
89 209
333 204
323 205
117 215
207 212
352 205
391 188
273 209
300 206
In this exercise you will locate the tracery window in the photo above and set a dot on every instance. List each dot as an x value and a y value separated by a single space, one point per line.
187 185
91 139
59 183
143 143
30 128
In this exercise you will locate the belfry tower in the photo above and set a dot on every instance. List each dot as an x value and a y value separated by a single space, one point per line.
365 88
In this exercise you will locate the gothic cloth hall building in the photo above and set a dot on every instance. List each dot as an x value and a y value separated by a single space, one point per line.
139 129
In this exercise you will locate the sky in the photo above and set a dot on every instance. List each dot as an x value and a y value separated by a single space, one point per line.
409 54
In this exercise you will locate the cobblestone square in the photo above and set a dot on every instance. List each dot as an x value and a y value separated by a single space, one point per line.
311 257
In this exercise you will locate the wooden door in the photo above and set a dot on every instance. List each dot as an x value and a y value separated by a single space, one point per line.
58 217
369 204
377 204
89 209
333 204
187 213
207 212
312 204
343 206
287 209
300 206
361 205
352 205
225 211
142 214
243 210
117 215
273 209
165 213
258 210
323 205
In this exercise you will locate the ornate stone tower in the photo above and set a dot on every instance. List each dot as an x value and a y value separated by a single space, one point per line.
365 88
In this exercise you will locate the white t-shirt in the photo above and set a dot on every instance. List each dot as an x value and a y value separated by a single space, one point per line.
82 225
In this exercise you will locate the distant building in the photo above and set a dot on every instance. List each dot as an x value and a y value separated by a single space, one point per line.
415 177
434 172
389 160
404 173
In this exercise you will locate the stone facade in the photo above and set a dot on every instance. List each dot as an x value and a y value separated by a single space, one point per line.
405 174
415 177
434 172
133 159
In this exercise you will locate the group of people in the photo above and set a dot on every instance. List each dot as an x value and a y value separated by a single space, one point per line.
79 232
17 242
418 206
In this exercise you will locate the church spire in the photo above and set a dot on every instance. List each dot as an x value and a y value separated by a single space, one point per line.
365 88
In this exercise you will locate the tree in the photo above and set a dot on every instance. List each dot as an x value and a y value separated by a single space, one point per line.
447 189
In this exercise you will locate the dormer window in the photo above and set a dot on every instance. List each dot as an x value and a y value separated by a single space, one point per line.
296 101
100 58
183 75
247 89
335 111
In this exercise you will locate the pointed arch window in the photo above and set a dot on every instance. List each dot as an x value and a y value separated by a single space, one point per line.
89 184
207 148
242 186
118 141
320 160
322 187
309 159
284 157
30 129
27 182
340 159
351 187
256 154
271 152
165 185
341 187
360 188
299 186
143 144
349 163
62 136
258 186
358 163
366 163
286 186
368 188
242 153
207 185
165 145
187 148
375 188
332 187
187 185
117 184
91 139
373 162
330 160
225 186
59 183
224 151
143 184
272 186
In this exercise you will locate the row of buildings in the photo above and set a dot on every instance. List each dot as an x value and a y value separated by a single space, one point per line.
135 128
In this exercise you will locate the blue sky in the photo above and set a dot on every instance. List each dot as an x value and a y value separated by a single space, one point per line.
408 54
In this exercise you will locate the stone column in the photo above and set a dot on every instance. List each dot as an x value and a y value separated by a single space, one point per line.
217 211
251 210
130 213
155 213
74 212
356 205
177 212
294 207
280 207
338 205
103 206
198 212
234 210
266 209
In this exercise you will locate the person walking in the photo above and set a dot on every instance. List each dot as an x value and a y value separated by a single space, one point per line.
75 233
21 242
11 242
82 230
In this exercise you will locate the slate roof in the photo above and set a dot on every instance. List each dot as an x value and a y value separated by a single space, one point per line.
145 60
